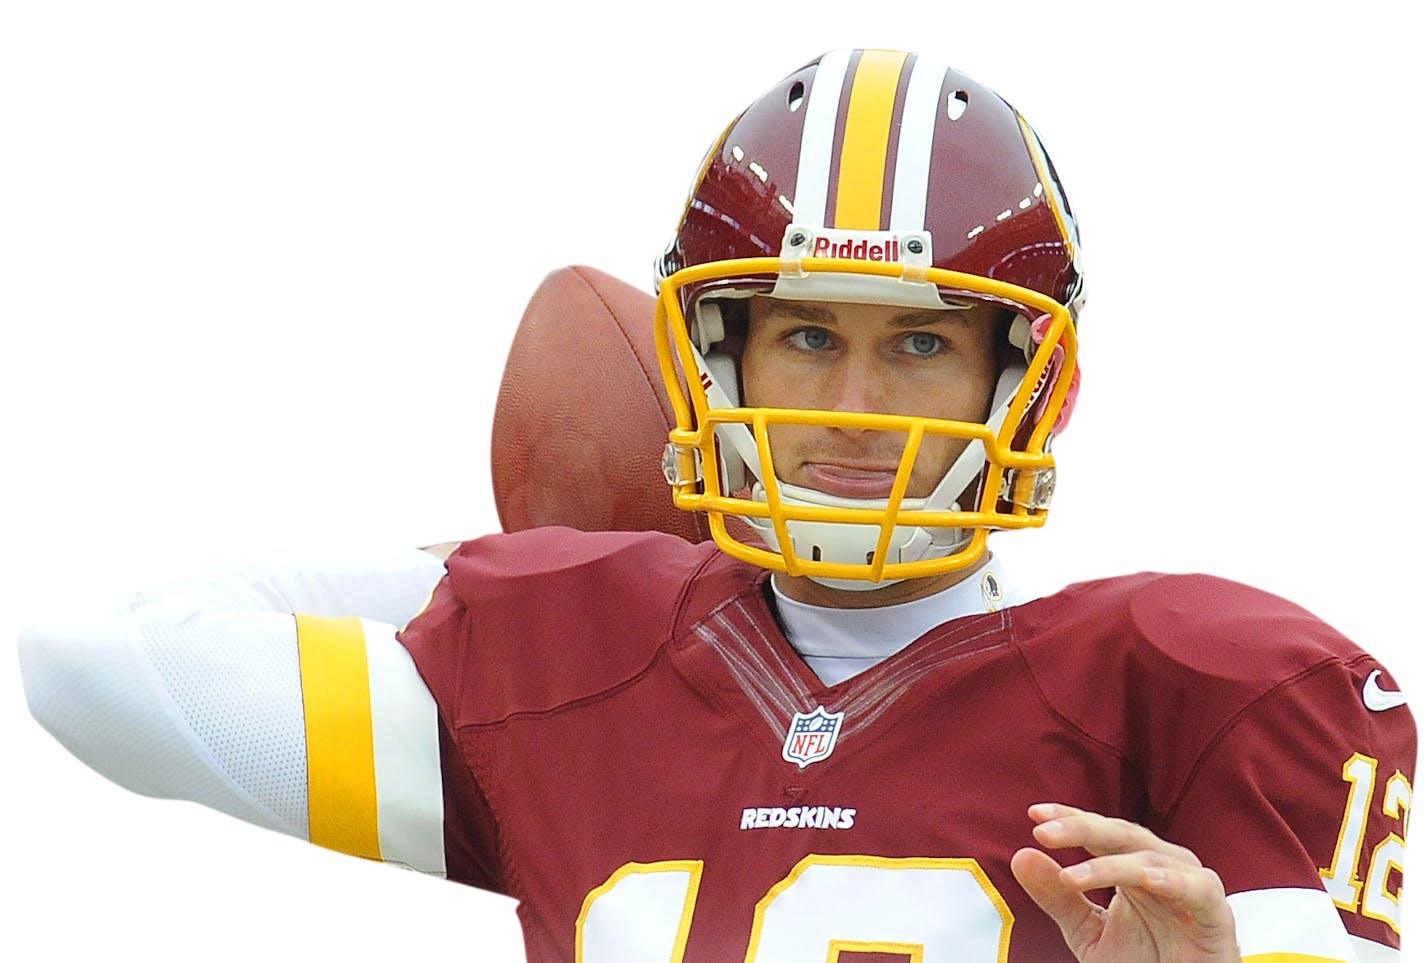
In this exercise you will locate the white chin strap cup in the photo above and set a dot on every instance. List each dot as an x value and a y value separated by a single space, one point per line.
854 544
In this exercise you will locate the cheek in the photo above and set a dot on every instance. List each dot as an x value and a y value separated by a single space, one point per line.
950 395
765 385
936 454
785 438
753 380
973 404
968 389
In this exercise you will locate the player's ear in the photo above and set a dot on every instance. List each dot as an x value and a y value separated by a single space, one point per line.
582 418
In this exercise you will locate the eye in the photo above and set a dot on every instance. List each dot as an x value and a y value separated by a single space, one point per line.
923 344
810 339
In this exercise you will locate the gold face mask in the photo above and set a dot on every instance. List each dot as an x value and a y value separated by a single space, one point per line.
720 458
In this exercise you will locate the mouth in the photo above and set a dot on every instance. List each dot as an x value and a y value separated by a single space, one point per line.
848 481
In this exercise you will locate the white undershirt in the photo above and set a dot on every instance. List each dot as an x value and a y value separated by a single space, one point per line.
839 643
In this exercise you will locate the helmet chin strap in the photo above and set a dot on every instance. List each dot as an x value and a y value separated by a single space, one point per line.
855 544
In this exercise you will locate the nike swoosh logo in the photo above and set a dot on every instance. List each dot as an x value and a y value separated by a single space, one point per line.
1377 699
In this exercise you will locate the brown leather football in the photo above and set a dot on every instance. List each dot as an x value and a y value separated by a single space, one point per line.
582 418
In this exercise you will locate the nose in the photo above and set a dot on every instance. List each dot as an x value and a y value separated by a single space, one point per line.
858 387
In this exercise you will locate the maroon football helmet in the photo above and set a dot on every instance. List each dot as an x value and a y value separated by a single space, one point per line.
877 177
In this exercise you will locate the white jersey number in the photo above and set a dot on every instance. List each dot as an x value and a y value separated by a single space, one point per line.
930 910
1377 894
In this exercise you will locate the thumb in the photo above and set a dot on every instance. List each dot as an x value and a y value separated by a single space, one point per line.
1076 915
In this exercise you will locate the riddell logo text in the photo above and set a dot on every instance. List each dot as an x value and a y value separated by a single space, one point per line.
798 817
861 250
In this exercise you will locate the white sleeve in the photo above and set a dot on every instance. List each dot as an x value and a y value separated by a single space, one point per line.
203 691
390 587
1298 924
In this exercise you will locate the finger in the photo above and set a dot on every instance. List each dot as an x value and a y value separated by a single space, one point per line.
1143 869
1197 892
1186 891
1191 892
1042 879
1062 826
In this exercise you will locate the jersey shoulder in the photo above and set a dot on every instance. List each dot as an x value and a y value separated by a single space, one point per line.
1197 626
531 621
1160 668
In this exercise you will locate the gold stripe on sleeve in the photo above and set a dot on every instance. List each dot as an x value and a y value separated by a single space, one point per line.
865 150
341 761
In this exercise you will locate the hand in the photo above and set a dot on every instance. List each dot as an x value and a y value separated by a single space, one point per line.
1168 908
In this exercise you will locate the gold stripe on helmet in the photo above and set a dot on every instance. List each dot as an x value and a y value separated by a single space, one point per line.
1045 177
866 148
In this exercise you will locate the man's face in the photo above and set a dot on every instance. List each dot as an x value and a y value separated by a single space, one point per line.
867 358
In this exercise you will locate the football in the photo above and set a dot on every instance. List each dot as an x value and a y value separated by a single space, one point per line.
582 418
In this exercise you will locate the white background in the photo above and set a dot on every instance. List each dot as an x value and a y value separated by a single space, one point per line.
260 263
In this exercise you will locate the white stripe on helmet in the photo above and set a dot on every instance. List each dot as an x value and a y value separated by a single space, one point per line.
818 138
912 158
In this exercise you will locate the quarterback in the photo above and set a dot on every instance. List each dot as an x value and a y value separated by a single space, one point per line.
834 729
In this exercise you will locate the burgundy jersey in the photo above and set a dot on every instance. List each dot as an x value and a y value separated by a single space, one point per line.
632 749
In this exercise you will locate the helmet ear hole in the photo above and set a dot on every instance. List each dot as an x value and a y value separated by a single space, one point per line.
956 104
796 96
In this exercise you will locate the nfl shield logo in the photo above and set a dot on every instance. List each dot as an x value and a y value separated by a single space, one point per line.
811 736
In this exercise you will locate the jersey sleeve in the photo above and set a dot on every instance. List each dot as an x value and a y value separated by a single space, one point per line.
315 725
1301 807
1252 733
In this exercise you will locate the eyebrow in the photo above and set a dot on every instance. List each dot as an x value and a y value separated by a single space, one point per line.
917 319
816 314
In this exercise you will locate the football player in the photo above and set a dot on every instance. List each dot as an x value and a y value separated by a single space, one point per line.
837 730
